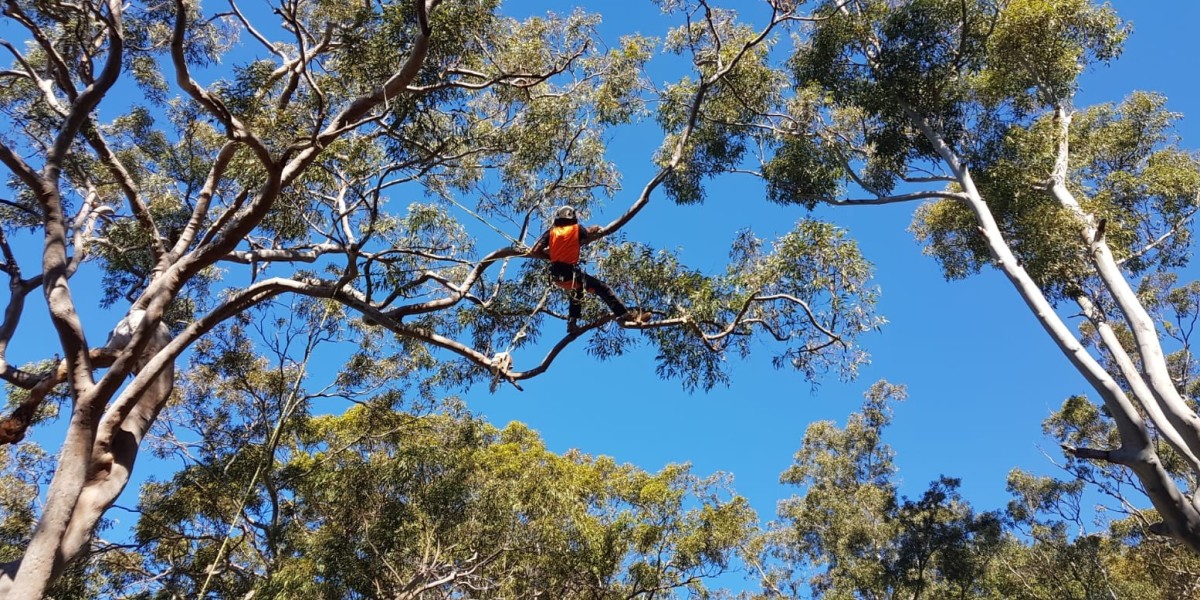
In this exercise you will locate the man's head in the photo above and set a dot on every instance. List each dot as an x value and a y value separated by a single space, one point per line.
565 215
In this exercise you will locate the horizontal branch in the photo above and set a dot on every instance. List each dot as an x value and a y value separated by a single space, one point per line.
14 426
1109 456
879 200
305 254
459 291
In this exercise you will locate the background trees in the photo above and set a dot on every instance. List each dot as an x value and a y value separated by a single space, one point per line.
848 533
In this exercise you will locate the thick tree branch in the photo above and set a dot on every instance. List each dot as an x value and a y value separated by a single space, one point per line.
1141 392
45 85
899 198
27 174
204 201
305 254
85 103
43 557
234 127
1181 515
392 88
1141 324
132 195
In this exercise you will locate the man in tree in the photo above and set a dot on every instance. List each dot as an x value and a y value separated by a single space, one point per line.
560 244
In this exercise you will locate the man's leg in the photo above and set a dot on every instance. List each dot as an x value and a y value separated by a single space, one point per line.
605 293
570 278
574 304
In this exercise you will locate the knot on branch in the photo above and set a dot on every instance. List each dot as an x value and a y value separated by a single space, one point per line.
12 429
1160 528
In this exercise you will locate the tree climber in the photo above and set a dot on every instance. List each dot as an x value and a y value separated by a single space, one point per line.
560 244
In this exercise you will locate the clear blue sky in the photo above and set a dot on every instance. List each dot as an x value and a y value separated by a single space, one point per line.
981 374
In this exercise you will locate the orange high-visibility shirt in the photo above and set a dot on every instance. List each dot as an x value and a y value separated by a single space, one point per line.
564 244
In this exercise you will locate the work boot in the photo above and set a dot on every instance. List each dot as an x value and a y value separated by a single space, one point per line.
635 316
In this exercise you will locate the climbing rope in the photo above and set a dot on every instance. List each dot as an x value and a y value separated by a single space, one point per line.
272 443
515 241
502 361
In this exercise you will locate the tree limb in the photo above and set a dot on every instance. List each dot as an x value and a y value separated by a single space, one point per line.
880 200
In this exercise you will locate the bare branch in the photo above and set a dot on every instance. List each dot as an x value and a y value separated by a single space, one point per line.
254 32
234 127
808 311
44 85
200 212
461 290
516 80
58 65
82 106
880 200
127 184
390 89
1093 454
305 254
1174 230
22 170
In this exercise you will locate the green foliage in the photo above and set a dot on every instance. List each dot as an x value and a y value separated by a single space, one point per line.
808 278
1038 49
853 537
26 468
1131 172
1061 560
374 502
849 535
715 140
504 120
803 171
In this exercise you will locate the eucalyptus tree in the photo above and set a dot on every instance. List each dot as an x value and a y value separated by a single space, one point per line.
257 160
849 534
390 499
1072 205
378 503
968 106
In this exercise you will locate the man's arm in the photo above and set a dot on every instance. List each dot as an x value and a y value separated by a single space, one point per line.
589 234
540 247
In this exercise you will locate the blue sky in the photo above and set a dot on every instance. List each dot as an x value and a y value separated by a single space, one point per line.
981 374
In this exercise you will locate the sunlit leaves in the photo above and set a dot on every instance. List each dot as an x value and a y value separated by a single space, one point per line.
735 84
809 290
849 534
381 501
1039 47
803 172
1131 174
1137 178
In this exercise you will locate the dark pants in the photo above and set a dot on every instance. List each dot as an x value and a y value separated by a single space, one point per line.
576 281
